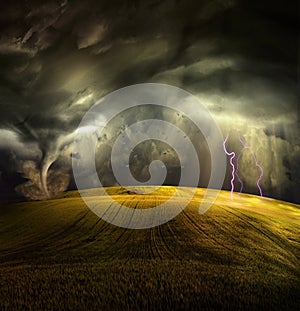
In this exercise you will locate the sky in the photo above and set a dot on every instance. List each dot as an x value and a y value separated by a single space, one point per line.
58 58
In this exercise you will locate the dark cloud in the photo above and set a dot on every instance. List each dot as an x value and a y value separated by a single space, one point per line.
57 58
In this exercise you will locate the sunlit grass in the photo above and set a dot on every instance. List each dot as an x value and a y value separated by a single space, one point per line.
242 253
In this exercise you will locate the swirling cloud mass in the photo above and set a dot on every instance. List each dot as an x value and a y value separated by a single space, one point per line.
60 57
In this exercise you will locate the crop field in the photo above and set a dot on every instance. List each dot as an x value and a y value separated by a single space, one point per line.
243 253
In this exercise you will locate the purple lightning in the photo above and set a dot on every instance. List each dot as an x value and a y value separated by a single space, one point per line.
237 169
231 155
242 140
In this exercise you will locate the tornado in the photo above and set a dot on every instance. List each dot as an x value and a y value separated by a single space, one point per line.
46 162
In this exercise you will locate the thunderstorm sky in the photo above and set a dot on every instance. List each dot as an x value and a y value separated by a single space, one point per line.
57 58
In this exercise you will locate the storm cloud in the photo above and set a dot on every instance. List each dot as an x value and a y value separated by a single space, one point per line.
60 57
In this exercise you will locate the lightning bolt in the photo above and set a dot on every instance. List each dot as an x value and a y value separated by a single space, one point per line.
245 146
231 155
237 169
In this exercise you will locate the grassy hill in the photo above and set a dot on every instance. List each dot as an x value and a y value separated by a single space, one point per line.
241 254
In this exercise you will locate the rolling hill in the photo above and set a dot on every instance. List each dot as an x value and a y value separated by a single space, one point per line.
241 254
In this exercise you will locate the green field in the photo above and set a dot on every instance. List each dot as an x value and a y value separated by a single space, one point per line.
241 254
